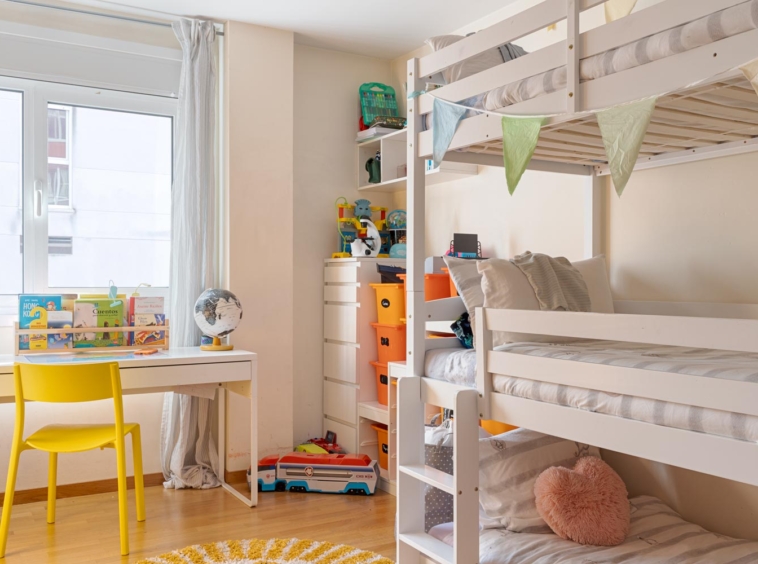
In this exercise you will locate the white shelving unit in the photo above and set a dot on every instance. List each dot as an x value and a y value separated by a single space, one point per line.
373 412
393 148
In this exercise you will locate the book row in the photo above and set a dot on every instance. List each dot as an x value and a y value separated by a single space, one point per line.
98 311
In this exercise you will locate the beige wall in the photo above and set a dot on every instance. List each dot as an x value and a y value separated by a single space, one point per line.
259 165
326 167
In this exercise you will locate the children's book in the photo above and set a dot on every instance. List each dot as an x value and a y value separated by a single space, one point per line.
150 306
154 337
60 320
99 313
32 314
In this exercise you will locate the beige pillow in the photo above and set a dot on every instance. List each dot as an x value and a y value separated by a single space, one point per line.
506 287
595 275
468 282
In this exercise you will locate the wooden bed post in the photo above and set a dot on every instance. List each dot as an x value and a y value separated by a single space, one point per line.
415 310
410 490
594 215
573 11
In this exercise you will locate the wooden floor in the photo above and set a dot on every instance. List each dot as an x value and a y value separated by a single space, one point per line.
86 531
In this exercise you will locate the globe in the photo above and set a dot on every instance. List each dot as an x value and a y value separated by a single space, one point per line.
217 313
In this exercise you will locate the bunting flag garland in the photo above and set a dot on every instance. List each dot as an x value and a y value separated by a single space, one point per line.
623 129
617 9
445 119
520 137
750 71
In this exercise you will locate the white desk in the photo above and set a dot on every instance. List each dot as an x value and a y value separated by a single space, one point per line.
170 371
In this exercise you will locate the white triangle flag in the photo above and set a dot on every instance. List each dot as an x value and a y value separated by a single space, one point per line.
623 129
750 71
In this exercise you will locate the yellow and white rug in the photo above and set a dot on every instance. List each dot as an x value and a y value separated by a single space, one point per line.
274 551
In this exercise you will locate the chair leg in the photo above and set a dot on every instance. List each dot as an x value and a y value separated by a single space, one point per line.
139 480
52 487
10 490
123 509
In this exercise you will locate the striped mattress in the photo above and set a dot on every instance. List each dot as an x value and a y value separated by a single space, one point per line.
459 367
715 27
658 535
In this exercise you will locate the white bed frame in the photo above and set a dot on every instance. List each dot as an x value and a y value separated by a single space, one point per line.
569 145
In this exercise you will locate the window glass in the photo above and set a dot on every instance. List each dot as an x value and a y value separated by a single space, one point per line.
109 190
11 216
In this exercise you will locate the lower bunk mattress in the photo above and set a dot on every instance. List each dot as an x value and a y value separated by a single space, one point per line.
458 366
657 535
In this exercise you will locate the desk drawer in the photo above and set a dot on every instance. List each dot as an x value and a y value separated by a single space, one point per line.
341 402
140 378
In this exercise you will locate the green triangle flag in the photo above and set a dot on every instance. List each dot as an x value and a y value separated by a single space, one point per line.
520 137
623 129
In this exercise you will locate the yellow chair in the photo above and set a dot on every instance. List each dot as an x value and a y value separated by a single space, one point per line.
73 384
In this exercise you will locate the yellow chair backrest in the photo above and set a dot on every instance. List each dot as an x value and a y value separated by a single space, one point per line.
67 383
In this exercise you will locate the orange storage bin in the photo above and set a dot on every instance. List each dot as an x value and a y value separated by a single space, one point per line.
382 437
453 289
436 286
390 342
495 427
382 382
390 303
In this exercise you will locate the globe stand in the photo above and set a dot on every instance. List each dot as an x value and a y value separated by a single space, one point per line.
216 346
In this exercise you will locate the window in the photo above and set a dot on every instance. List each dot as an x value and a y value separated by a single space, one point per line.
85 190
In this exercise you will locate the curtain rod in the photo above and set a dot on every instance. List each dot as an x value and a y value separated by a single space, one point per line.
91 13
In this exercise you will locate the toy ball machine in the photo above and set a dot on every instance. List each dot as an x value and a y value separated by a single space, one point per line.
368 231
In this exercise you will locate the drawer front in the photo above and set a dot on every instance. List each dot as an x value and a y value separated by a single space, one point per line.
340 362
341 294
347 436
341 274
341 402
341 323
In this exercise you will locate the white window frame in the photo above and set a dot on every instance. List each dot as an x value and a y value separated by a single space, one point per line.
36 98
67 160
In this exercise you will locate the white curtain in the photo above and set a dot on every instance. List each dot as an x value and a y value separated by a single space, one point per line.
188 452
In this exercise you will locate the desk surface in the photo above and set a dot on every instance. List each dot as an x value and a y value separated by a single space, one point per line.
172 357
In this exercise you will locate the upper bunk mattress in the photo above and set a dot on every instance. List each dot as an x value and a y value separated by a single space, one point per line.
459 367
657 535
715 27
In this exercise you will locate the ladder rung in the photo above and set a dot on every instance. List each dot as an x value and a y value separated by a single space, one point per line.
427 474
429 546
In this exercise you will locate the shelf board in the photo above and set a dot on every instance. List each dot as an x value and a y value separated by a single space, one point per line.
374 411
447 172
428 475
399 135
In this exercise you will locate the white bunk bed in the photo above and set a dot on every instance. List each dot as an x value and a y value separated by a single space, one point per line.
706 108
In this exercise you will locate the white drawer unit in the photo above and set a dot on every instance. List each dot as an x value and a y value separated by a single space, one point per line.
349 343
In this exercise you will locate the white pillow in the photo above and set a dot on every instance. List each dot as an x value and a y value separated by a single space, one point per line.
473 65
595 275
509 465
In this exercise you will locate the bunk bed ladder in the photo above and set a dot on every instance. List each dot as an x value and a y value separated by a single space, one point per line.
414 476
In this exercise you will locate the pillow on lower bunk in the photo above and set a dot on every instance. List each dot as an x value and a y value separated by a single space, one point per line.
505 286
509 465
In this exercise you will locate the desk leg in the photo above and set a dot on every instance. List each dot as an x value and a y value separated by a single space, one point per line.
248 392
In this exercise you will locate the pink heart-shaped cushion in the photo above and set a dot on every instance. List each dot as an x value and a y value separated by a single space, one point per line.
587 505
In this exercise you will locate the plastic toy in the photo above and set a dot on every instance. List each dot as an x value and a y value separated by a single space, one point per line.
368 245
328 443
356 227
310 447
354 474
